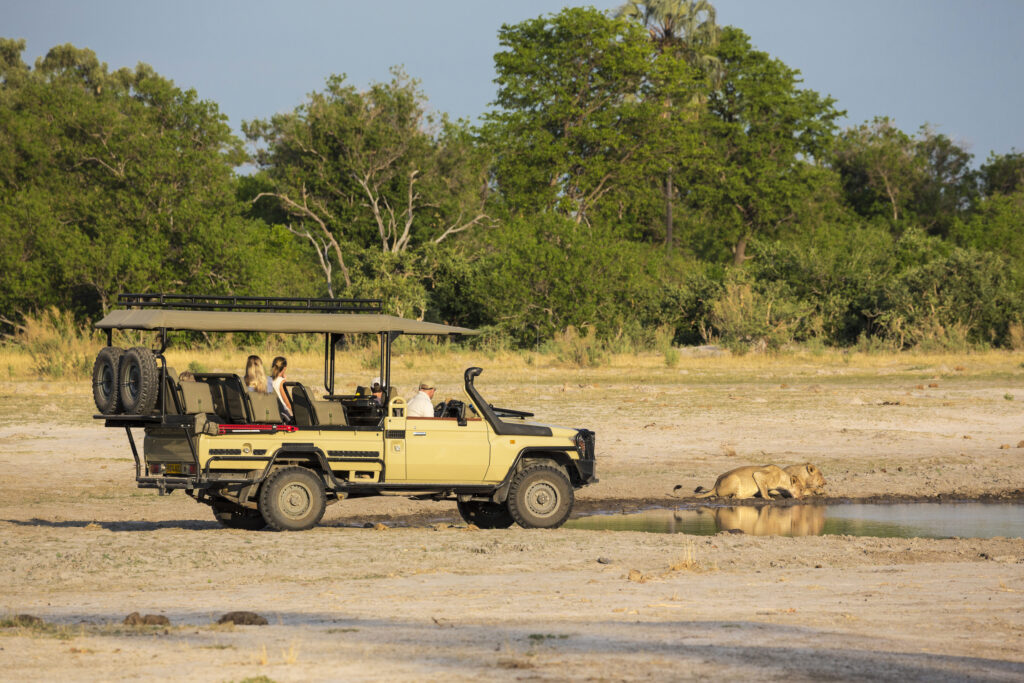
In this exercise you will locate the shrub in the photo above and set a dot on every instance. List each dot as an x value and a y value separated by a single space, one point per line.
60 347
759 317
582 350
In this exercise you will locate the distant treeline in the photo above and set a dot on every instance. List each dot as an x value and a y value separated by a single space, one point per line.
638 172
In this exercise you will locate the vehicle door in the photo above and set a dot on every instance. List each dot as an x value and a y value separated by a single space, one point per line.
446 449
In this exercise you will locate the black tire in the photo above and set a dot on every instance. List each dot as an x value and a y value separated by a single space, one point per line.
105 390
486 515
540 497
234 516
139 381
292 499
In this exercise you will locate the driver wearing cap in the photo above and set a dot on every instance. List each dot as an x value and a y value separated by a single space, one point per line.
421 405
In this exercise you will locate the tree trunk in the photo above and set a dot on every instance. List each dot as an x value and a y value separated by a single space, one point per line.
668 210
739 252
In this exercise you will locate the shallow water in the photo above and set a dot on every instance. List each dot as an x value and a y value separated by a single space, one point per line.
906 520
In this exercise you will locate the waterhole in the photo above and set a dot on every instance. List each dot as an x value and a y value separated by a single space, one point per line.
909 520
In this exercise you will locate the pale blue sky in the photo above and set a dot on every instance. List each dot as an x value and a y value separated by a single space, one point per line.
955 64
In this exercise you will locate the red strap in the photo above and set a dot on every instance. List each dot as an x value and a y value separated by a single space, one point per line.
232 429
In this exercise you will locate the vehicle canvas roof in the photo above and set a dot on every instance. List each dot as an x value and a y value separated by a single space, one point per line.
249 321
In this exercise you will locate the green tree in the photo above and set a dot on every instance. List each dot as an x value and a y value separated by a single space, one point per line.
764 137
350 170
880 168
1002 174
686 28
579 125
114 181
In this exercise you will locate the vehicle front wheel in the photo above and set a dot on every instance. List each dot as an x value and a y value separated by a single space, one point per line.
540 497
486 515
234 516
293 499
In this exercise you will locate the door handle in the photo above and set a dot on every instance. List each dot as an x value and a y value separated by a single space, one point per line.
419 433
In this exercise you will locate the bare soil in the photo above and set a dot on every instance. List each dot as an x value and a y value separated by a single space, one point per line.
426 597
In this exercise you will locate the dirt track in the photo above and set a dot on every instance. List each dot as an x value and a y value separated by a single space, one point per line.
82 548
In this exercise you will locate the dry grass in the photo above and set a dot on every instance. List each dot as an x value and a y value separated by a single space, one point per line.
415 361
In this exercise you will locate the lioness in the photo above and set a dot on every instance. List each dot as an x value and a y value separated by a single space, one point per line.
752 481
810 478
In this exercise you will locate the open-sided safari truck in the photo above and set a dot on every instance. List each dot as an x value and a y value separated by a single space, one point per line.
231 450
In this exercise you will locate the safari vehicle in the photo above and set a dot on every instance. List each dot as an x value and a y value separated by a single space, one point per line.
231 450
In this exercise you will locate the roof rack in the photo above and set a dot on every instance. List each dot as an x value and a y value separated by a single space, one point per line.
193 302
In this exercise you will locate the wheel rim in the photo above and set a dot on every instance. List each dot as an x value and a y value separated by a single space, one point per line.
131 384
106 382
542 499
295 500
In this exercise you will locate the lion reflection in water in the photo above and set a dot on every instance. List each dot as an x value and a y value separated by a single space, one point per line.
769 520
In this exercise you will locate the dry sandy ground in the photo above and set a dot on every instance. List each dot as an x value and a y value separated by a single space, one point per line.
81 548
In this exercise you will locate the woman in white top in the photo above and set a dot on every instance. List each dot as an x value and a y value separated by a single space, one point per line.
277 370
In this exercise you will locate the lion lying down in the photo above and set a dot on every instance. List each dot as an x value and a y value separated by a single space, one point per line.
766 481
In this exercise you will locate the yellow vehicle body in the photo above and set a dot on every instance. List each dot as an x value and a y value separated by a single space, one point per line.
235 451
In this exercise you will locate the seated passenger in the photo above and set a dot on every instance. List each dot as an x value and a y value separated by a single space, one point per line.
255 377
377 391
186 376
421 404
277 369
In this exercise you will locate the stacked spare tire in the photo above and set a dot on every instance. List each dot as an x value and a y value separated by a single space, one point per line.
125 382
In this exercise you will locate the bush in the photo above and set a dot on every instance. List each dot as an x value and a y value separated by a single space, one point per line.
752 316
59 346
582 350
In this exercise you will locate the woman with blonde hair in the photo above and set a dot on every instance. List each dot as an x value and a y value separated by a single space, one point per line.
277 371
255 377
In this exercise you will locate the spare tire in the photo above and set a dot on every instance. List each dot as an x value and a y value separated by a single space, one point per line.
139 381
105 380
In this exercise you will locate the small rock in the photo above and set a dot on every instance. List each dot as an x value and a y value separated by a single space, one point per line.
604 560
899 469
242 619
635 576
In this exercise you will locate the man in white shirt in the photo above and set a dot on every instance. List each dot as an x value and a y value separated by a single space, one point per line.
421 404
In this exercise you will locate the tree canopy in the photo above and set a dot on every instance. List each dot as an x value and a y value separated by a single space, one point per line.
643 177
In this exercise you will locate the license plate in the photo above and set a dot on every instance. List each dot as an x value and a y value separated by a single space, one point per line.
172 468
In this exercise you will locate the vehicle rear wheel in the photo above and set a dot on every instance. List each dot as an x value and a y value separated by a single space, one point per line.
234 516
104 380
486 515
540 497
139 381
293 499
